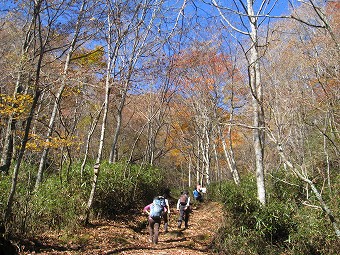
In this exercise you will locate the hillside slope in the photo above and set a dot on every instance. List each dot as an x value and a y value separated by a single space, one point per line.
130 236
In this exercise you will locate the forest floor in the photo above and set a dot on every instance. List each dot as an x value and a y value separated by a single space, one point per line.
130 236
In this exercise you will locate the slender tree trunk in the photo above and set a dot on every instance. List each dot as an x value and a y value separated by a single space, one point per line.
198 165
96 167
114 152
88 140
206 157
258 112
7 151
36 23
229 155
189 171
50 129
318 195
8 211
217 164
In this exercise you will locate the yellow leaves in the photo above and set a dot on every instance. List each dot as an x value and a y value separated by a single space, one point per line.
175 153
71 91
17 106
87 57
37 143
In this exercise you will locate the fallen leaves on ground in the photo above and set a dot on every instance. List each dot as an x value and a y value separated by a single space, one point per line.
130 236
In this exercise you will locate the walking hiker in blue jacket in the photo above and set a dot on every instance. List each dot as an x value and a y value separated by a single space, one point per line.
197 195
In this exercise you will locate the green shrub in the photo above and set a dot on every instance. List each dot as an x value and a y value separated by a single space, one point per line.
55 205
124 187
283 225
61 198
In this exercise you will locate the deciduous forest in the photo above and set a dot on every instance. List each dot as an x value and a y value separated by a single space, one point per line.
105 104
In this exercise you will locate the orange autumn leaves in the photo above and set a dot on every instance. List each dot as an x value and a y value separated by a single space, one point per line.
204 70
207 81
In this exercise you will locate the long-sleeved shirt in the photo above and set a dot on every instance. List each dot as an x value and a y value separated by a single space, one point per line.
167 205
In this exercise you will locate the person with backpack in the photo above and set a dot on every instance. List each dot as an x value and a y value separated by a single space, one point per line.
155 212
197 195
183 207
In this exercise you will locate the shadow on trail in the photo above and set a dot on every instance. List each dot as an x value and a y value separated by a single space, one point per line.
177 240
38 246
157 247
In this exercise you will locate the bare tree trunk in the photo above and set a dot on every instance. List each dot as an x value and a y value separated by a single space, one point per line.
96 167
37 24
189 171
255 87
50 130
309 182
114 152
206 156
8 210
257 98
88 140
7 151
229 155
198 165
327 156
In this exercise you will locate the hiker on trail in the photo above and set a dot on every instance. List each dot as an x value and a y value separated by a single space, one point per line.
183 206
197 195
155 210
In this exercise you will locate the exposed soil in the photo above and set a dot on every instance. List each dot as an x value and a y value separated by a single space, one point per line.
130 236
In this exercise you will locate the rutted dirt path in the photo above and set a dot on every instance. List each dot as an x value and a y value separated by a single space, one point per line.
131 236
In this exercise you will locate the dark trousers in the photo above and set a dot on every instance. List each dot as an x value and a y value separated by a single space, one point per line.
154 229
166 221
183 216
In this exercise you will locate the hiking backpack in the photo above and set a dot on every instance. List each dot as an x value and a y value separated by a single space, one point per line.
157 208
183 199
197 194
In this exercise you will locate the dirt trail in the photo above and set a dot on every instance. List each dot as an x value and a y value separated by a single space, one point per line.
131 237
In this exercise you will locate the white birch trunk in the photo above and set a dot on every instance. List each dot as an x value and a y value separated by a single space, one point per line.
96 168
257 94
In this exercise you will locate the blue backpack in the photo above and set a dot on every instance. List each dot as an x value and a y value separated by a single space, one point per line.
157 208
196 193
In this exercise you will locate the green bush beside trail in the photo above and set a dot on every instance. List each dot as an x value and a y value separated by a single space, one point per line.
61 199
285 225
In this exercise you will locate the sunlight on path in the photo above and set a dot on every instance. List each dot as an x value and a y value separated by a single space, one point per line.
195 240
131 237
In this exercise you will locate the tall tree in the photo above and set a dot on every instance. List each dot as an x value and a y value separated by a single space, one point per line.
40 38
301 99
71 49
140 37
206 79
251 16
113 45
